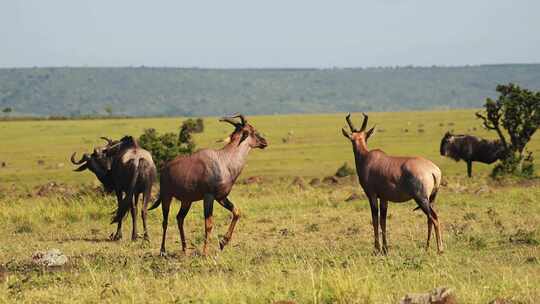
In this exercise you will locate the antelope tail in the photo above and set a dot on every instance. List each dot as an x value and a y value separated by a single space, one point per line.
433 194
127 202
156 203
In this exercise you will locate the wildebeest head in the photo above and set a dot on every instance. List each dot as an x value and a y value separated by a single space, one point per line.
357 136
445 141
245 131
115 147
98 163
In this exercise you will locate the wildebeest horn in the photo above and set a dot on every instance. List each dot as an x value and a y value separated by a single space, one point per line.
364 123
108 140
83 159
348 118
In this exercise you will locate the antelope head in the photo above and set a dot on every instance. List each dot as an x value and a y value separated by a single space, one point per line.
358 137
245 132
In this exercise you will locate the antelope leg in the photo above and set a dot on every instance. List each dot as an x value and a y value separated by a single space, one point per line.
227 204
165 205
375 222
184 209
208 220
384 207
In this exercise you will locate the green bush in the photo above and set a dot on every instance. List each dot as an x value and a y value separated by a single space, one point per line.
167 146
345 170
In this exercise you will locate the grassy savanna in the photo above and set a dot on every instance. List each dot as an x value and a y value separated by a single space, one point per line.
301 243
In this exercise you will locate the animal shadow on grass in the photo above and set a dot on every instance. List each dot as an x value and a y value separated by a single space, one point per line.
91 239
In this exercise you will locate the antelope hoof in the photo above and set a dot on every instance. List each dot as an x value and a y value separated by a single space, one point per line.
222 243
146 237
163 253
134 237
115 236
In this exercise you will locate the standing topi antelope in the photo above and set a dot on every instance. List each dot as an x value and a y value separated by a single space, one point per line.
471 148
128 170
207 175
394 179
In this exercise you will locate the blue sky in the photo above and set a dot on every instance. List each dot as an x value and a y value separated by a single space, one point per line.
278 33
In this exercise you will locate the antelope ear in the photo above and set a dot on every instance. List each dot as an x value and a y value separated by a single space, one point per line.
81 168
346 134
370 132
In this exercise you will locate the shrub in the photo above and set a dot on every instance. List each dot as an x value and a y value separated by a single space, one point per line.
167 146
345 170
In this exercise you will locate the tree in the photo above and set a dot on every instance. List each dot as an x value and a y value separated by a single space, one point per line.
7 110
108 110
516 111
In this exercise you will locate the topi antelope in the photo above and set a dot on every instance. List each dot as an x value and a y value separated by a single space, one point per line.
207 175
125 168
394 179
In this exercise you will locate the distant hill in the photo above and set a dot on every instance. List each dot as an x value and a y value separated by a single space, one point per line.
148 91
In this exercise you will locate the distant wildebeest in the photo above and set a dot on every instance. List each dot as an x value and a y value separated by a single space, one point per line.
471 148
394 179
128 170
207 175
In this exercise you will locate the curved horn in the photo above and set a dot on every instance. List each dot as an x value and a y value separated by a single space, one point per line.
348 118
108 140
83 159
364 123
243 120
229 120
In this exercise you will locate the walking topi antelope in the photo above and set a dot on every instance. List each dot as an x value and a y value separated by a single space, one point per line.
394 179
125 168
207 175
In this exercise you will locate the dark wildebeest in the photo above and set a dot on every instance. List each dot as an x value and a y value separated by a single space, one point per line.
128 170
471 148
394 179
207 175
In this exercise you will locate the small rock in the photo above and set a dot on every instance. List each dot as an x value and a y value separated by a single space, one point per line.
354 197
483 189
440 295
41 162
50 258
253 180
4 164
331 180
299 182
315 182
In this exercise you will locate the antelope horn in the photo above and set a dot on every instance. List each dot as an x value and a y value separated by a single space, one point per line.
108 140
364 123
229 120
243 120
83 159
348 118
